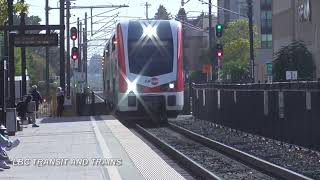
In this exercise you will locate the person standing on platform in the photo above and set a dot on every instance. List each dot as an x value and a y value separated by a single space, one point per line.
36 97
60 101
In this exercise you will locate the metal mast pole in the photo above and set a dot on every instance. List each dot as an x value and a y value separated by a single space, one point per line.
47 52
79 46
62 51
68 47
210 27
11 57
85 48
23 55
250 14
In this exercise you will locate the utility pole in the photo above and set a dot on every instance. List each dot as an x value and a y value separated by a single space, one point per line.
85 48
80 48
250 16
23 55
47 51
68 47
147 9
210 35
11 57
79 44
62 54
210 27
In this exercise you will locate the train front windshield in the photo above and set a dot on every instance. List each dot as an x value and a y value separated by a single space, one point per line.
150 55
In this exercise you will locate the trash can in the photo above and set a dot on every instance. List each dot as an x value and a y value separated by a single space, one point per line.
11 121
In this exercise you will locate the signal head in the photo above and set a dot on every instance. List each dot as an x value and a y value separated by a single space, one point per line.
74 33
219 30
74 53
219 50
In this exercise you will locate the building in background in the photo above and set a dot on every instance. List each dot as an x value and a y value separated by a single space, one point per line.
297 20
238 6
196 40
262 19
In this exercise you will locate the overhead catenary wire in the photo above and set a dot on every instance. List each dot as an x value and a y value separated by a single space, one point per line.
97 15
225 9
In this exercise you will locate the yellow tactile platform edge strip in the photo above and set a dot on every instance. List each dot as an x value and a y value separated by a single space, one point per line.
150 164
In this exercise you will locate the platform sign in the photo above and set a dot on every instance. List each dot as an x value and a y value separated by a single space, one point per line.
291 75
22 40
269 69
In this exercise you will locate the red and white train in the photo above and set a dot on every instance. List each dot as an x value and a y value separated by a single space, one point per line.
143 69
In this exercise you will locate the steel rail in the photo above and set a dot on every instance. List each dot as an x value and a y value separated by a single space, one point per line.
259 164
191 165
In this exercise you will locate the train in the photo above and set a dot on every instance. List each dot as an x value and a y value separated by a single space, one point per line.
143 69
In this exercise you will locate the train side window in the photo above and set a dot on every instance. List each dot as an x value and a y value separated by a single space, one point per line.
113 43
108 50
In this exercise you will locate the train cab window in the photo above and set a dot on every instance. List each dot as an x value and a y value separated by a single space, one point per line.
113 43
151 58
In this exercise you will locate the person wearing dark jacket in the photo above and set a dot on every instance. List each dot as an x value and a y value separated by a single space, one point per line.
60 101
22 110
36 97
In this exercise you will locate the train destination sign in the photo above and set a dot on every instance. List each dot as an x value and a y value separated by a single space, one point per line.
21 40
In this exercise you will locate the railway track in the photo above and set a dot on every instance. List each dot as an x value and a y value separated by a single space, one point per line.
209 159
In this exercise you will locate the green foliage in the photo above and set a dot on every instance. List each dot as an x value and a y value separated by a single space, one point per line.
236 47
162 13
17 7
3 10
35 65
294 57
237 70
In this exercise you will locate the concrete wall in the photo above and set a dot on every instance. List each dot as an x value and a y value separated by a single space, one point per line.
282 24
309 31
288 27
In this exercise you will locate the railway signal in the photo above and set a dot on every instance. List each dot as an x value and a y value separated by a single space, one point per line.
74 53
219 51
74 33
219 30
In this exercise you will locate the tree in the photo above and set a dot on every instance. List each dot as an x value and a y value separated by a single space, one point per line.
294 57
162 13
236 50
17 7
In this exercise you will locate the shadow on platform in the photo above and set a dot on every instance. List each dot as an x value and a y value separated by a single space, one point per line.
74 119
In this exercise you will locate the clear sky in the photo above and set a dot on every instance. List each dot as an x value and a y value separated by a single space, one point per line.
136 9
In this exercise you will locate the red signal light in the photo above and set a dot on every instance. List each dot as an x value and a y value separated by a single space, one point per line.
219 50
220 54
74 33
74 53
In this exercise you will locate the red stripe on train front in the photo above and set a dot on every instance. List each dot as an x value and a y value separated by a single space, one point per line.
180 79
121 61
152 90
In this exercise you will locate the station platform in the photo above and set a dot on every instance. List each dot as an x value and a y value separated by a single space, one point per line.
84 148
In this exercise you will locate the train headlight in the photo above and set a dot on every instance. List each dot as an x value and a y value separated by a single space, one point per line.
150 31
171 85
132 86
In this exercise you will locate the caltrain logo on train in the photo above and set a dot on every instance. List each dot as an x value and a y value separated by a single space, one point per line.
153 81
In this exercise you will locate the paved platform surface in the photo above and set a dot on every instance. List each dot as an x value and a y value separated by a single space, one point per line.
84 148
